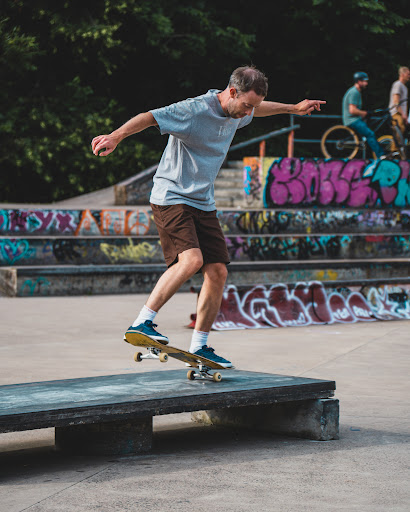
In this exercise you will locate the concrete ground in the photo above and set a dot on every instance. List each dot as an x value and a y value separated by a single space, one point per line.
204 468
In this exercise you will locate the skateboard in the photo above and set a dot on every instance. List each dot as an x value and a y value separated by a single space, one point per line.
157 350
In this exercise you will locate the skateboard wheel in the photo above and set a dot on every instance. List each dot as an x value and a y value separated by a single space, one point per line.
217 377
137 357
191 375
163 357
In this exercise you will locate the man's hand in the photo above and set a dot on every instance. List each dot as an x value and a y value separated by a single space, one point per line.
103 142
107 143
307 106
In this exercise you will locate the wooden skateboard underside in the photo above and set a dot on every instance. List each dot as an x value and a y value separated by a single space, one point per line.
141 340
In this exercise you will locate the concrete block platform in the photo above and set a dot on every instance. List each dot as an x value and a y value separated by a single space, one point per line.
113 414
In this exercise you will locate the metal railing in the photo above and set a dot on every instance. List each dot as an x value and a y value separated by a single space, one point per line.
263 138
290 130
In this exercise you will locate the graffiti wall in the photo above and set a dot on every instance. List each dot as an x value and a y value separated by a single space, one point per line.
300 182
127 250
86 284
312 247
271 222
282 305
105 222
79 251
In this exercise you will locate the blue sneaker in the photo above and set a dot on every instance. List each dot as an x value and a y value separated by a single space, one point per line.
209 353
148 328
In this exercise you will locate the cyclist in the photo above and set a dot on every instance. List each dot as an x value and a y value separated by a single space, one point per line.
398 98
353 115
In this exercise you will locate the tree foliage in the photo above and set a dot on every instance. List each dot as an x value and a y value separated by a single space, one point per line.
73 70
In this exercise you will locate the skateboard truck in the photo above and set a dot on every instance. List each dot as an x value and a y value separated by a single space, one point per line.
204 373
153 353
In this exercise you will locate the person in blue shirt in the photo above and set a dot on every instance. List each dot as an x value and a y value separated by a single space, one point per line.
354 116
200 132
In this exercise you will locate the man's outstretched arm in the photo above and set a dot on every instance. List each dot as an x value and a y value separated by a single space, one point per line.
271 108
109 142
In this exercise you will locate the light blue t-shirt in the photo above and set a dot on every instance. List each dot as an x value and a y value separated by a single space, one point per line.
353 97
199 138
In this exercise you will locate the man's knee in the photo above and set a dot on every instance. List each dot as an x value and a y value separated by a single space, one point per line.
192 258
217 272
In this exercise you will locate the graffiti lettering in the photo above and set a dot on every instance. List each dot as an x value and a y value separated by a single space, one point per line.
294 182
271 222
139 253
280 305
111 222
280 248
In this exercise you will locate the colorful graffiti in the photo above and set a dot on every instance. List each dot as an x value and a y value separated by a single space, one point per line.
140 223
13 251
330 247
298 182
93 250
271 222
32 287
281 305
105 222
79 251
252 180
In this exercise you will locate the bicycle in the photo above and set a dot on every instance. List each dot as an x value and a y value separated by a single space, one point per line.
343 142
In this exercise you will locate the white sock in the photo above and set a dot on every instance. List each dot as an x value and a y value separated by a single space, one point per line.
145 314
199 339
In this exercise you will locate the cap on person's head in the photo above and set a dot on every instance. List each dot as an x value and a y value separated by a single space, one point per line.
360 75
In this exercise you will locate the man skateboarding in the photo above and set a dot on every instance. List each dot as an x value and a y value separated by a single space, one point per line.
200 132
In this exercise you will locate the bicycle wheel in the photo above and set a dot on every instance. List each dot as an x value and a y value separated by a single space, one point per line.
387 143
399 142
340 142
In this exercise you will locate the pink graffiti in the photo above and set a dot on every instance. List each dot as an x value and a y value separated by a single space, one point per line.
64 222
352 183
280 305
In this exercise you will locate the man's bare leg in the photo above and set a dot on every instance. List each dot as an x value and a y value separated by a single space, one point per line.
209 302
210 298
189 262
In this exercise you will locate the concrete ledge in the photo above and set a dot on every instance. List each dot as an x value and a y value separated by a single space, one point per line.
310 419
112 414
27 281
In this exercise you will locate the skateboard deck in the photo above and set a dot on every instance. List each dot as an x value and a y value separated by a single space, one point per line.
157 350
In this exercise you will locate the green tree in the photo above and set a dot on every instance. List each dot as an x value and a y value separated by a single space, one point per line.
73 70
311 48
76 69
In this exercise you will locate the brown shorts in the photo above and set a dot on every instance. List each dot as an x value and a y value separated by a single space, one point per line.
182 227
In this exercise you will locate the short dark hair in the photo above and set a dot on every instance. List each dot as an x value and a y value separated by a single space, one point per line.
249 78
